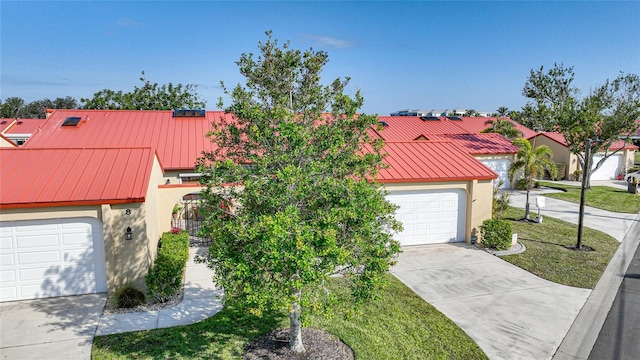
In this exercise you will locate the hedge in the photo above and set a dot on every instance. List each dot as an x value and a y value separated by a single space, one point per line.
496 234
164 278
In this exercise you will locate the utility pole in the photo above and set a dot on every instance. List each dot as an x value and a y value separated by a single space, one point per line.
585 171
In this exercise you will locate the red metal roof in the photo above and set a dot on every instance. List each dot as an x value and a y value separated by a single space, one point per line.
24 126
476 124
65 177
430 161
479 144
405 128
178 141
5 123
559 138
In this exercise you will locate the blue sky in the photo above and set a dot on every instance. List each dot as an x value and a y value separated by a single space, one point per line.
400 54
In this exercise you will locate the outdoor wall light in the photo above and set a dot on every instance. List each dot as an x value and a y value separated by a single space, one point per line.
128 235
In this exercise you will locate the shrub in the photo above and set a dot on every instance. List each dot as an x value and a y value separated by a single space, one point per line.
164 278
501 201
521 184
496 234
577 175
128 296
562 169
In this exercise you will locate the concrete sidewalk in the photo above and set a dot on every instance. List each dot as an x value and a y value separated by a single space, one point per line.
201 301
614 224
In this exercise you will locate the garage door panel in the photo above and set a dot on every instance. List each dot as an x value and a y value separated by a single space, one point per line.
35 274
39 258
45 258
37 241
430 216
8 276
80 239
7 260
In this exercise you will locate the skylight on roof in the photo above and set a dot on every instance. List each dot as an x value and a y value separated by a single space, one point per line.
189 113
72 121
424 118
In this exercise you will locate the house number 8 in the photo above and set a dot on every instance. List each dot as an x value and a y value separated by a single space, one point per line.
128 211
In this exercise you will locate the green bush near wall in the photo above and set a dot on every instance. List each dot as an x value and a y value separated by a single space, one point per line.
164 278
496 234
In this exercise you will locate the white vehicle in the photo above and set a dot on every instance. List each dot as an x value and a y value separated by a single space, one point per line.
633 177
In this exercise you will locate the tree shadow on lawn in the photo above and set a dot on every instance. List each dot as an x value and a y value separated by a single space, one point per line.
222 336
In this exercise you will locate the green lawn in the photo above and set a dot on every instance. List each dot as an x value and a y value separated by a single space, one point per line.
398 326
601 197
547 257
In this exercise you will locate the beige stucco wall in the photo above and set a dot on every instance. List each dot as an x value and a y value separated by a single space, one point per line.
561 154
479 200
4 142
628 159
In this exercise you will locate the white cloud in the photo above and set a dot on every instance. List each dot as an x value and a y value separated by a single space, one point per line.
330 41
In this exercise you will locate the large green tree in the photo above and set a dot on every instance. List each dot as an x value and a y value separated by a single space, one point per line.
306 202
15 107
531 164
606 114
150 96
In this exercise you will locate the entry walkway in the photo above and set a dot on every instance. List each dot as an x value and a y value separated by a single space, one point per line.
201 301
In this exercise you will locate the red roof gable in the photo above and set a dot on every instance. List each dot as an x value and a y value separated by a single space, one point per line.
559 138
479 144
24 126
179 141
65 177
430 161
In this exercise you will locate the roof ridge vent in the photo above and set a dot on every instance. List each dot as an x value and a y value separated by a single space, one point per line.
383 123
189 113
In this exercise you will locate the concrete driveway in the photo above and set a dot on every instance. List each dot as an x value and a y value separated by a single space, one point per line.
54 328
508 312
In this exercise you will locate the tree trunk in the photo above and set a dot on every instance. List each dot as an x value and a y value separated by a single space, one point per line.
295 328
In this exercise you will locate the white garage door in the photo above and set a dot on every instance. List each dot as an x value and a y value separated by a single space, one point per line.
609 169
430 217
501 166
46 258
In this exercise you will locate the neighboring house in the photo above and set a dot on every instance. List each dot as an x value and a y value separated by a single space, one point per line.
85 178
19 131
493 150
443 194
610 169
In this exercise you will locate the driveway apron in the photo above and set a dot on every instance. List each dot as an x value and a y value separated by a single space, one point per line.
509 312
54 328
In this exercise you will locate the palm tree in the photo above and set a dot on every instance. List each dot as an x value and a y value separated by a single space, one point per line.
502 111
531 163
503 127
